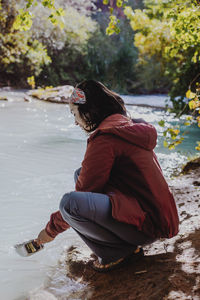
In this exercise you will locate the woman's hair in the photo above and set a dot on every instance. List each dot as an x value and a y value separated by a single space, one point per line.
100 103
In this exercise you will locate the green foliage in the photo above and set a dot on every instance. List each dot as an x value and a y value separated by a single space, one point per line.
112 59
67 47
150 79
172 135
168 31
113 25
27 52
24 19
30 3
67 67
48 3
76 31
77 51
31 81
105 2
20 53
108 59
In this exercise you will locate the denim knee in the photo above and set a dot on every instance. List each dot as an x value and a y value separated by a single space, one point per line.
68 203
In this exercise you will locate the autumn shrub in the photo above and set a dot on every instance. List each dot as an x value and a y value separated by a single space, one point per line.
168 32
29 41
20 54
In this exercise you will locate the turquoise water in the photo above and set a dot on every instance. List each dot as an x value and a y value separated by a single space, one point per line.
40 147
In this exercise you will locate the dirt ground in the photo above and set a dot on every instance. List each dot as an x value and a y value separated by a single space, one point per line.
170 268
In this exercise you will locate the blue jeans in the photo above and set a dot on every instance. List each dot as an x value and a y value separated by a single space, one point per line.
90 215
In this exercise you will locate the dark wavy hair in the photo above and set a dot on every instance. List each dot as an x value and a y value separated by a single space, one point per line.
100 103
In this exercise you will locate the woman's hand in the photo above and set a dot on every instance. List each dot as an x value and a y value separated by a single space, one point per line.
43 238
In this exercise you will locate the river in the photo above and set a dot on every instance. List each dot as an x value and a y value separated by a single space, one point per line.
40 147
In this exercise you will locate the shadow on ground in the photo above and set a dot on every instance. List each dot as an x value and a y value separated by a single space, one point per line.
154 277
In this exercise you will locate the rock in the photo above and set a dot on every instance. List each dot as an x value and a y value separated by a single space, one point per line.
78 261
59 94
3 98
196 183
27 98
191 165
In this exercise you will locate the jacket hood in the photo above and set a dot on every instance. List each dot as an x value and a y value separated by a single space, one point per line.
141 134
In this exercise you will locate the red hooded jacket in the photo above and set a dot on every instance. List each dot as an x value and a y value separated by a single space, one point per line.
120 162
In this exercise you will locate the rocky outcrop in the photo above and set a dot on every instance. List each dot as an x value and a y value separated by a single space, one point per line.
59 94
191 165
3 98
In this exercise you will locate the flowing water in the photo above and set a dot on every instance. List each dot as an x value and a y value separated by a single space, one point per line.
40 147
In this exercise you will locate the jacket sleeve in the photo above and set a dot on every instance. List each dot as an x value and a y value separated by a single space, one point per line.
97 165
94 174
56 225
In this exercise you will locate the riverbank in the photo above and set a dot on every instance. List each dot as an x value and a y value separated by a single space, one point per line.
60 95
169 270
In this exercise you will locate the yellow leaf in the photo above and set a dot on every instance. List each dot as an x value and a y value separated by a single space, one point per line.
178 143
165 144
190 94
31 81
198 147
161 123
171 147
176 131
192 104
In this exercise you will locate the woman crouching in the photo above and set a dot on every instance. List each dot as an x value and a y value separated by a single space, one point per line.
121 199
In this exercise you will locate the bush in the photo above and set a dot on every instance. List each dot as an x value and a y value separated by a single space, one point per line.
112 59
108 59
168 32
20 54
27 53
